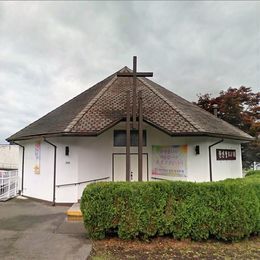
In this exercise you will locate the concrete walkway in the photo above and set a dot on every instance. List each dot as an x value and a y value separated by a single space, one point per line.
33 230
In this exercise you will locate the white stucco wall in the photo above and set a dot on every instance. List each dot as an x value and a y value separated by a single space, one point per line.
95 158
197 165
91 158
38 185
67 169
226 169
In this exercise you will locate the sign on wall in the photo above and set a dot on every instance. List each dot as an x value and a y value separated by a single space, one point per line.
225 154
169 160
37 153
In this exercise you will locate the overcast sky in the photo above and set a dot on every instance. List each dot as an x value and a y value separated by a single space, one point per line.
52 51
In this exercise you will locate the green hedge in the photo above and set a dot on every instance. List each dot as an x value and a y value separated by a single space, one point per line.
227 210
252 172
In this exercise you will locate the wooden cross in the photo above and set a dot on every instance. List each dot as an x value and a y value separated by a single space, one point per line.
134 74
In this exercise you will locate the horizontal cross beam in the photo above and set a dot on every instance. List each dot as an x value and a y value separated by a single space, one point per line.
137 74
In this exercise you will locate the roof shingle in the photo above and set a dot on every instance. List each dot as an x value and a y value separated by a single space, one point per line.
104 104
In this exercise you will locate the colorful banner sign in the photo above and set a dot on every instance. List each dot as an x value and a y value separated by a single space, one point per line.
170 160
37 152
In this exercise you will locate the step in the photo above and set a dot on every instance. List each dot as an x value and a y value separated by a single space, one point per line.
74 213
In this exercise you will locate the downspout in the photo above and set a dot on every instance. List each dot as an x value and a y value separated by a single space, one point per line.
54 170
210 162
22 165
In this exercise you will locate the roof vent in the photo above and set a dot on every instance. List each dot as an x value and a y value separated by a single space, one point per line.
215 109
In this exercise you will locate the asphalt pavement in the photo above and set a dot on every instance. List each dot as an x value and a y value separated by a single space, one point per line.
34 230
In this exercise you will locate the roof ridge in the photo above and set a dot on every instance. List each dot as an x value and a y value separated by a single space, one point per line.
89 105
125 69
181 113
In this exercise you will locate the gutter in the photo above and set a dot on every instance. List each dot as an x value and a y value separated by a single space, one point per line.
210 162
54 170
13 142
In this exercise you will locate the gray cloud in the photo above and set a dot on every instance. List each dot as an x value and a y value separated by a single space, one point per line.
51 51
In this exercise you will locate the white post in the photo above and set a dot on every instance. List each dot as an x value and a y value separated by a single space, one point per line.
9 185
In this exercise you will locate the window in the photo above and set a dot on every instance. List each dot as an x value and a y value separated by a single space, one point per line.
120 138
67 151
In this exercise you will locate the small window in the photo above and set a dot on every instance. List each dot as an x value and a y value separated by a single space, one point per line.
67 151
120 138
134 138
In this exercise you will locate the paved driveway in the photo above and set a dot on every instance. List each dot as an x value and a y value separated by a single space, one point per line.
33 230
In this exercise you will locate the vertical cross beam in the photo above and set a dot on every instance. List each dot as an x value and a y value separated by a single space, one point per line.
140 138
128 140
134 74
134 90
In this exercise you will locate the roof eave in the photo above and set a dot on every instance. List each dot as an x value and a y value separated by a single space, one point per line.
96 133
225 136
206 134
59 134
38 136
78 134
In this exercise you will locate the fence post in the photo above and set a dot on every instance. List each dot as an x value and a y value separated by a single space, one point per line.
9 184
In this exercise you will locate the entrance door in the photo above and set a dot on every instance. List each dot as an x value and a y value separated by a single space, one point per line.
119 167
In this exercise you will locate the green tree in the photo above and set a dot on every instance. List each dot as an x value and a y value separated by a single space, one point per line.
241 108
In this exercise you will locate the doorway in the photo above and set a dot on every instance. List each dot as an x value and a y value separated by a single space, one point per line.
119 167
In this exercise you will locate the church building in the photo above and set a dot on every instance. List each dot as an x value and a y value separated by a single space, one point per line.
85 141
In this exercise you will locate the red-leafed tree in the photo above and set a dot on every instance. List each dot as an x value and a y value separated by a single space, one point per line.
241 108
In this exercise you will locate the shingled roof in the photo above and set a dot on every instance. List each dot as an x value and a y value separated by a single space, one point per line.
103 105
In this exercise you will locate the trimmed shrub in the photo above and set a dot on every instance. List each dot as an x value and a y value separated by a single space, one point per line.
227 210
253 173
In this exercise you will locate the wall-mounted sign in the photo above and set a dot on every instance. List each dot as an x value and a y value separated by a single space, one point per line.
169 160
225 154
37 153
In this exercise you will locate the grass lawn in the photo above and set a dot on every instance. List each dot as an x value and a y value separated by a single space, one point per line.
168 248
